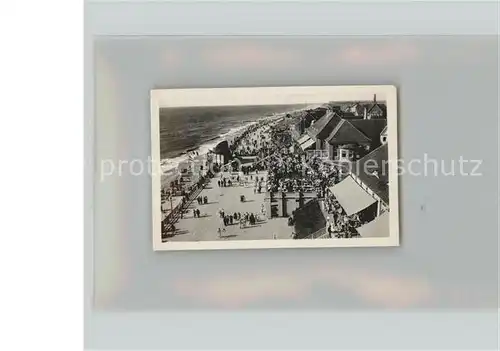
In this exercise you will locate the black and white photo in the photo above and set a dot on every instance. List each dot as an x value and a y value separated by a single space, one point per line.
241 168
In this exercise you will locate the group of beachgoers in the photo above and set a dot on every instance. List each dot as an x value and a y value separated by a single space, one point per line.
288 172
339 224
245 219
225 182
343 226
202 200
253 145
241 180
257 167
249 135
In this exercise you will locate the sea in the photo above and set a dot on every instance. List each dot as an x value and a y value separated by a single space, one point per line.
199 129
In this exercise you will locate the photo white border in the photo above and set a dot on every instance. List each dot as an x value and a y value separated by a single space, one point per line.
275 96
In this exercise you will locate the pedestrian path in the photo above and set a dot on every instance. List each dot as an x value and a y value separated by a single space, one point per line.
205 228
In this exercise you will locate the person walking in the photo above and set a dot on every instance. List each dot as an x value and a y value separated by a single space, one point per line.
252 219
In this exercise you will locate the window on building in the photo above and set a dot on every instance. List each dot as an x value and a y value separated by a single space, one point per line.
343 153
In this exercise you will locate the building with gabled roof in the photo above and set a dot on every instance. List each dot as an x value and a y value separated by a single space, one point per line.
372 128
320 130
376 109
307 118
365 110
352 139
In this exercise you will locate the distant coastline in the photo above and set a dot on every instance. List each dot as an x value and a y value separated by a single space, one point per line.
199 129
171 163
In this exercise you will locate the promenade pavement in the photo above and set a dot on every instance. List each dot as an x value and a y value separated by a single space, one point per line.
190 228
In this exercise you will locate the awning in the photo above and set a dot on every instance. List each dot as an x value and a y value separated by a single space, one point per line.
303 139
351 196
379 227
307 144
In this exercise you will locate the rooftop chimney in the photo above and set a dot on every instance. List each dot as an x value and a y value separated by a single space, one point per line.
374 98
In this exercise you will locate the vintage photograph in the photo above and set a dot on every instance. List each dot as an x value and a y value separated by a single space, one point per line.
274 167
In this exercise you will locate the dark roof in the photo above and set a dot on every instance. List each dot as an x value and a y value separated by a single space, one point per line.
350 115
370 127
382 107
324 126
346 133
374 161
309 219
384 130
222 148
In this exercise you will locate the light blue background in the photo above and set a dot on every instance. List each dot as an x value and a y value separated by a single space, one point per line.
438 290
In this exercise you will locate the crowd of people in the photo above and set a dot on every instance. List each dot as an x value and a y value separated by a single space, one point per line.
291 171
339 224
236 218
251 138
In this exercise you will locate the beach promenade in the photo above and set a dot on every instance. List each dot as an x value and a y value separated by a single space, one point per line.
205 228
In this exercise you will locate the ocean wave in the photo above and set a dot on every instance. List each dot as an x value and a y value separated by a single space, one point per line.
169 165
